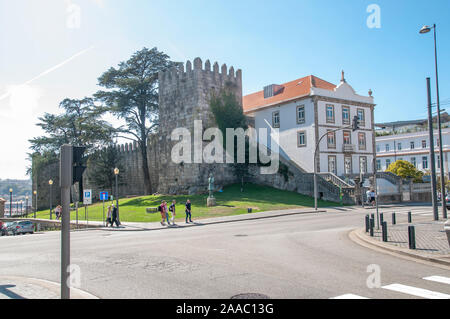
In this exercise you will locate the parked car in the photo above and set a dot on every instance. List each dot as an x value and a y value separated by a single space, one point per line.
24 227
447 201
10 228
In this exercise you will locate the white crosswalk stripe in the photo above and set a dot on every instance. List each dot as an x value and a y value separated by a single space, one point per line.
440 279
349 296
419 292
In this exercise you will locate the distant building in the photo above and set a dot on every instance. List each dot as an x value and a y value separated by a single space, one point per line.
305 109
409 141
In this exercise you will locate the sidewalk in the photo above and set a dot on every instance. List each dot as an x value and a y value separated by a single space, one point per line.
31 288
134 226
431 240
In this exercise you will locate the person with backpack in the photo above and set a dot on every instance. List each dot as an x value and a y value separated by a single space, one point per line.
172 210
188 211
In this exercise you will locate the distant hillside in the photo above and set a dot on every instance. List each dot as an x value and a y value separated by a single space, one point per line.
20 187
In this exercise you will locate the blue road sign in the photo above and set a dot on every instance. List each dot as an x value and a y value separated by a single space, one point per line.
104 196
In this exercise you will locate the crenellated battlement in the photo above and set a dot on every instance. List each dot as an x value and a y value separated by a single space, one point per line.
182 73
127 147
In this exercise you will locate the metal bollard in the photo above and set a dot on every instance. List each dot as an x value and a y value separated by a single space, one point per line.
367 223
381 218
394 219
409 217
384 230
412 237
372 226
250 210
372 216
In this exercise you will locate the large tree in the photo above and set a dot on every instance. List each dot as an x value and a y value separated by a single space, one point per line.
104 161
132 95
80 124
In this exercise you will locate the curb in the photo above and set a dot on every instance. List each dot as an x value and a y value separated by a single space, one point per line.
55 287
358 236
212 222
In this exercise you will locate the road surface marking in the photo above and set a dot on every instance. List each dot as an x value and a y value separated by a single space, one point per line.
419 292
443 280
349 296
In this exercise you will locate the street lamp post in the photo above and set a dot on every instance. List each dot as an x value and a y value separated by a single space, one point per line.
50 182
35 204
116 173
424 30
10 202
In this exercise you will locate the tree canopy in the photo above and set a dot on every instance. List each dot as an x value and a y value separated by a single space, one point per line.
79 124
405 169
132 95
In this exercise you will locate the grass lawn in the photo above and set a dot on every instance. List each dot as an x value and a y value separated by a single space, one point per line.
230 202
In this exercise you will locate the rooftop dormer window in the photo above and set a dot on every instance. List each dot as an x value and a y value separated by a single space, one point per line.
272 90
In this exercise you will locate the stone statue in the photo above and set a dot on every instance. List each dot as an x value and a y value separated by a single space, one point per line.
211 185
211 201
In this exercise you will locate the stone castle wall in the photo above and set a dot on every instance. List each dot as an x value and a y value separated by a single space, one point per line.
184 93
184 98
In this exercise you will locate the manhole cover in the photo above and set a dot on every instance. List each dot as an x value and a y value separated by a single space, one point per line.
250 296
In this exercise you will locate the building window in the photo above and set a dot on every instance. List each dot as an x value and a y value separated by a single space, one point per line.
378 149
347 138
345 115
348 165
300 114
362 141
438 161
331 139
361 117
301 139
330 113
438 142
332 164
276 119
413 161
387 148
425 162
363 164
413 146
399 146
388 163
378 165
424 144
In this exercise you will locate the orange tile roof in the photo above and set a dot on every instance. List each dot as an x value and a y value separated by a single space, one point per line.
294 89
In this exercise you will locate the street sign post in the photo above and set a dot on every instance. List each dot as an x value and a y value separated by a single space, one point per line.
104 197
87 200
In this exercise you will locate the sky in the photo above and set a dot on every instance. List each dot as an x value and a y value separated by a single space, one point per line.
56 49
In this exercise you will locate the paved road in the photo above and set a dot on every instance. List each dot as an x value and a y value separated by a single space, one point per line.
297 256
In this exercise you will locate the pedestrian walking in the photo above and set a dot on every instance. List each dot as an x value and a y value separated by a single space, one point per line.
166 211
58 211
163 213
114 216
188 211
172 210
372 197
108 216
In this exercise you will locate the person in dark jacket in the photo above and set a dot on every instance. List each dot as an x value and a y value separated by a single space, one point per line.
188 211
114 216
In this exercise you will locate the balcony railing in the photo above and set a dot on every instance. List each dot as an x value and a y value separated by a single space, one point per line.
348 148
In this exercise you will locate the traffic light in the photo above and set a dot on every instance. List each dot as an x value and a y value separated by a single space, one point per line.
355 125
78 167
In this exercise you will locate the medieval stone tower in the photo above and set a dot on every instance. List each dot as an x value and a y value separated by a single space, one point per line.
184 95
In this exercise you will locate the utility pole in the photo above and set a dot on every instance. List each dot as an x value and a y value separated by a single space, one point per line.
66 171
433 159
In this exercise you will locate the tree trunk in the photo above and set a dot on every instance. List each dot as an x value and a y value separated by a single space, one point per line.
146 171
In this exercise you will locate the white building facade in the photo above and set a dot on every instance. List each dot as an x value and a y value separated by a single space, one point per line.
306 109
412 147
